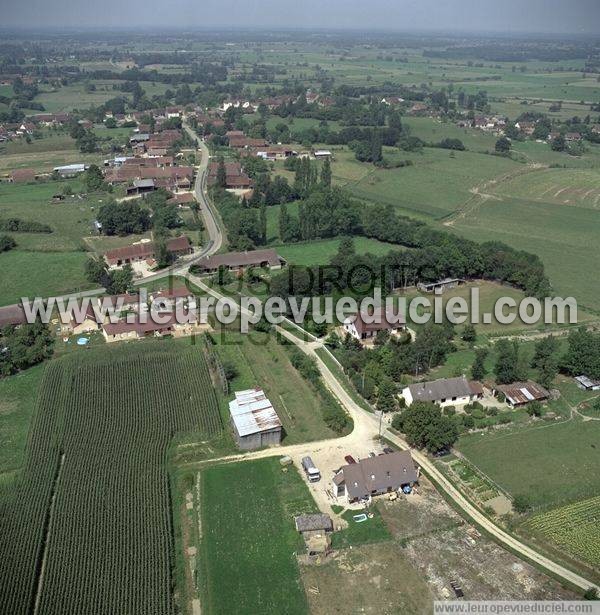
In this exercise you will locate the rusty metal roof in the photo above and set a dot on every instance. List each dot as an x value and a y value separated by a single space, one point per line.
252 412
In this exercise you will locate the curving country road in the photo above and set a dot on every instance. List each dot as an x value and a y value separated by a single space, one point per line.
366 425
211 222
366 428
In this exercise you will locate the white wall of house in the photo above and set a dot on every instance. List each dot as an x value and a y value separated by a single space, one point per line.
450 401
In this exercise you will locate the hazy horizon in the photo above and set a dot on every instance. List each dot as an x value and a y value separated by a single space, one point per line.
459 16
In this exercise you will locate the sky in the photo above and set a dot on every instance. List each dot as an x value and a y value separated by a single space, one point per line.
540 16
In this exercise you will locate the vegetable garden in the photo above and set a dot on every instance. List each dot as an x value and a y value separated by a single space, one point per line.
88 527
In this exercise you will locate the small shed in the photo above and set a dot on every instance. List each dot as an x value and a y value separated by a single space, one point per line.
313 522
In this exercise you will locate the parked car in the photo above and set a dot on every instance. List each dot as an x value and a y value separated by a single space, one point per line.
349 459
387 450
372 454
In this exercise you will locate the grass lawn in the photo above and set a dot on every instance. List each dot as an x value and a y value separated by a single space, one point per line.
37 274
553 464
261 361
18 395
372 530
489 293
248 538
320 252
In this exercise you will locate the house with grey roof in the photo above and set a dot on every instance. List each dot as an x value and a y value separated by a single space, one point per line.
444 392
385 473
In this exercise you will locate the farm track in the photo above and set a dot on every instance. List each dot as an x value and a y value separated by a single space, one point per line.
482 193
366 426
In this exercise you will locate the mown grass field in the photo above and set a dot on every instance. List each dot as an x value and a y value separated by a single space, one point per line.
94 493
40 274
321 252
488 294
247 561
563 235
18 394
553 464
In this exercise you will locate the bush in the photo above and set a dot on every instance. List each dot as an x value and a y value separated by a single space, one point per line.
521 503
7 243
505 419
230 370
492 411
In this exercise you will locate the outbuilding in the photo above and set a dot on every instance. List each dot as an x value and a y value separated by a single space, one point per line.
254 420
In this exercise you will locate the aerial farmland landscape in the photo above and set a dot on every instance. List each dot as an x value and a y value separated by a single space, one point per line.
299 308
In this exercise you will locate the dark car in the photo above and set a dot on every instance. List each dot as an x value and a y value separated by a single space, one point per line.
349 459
387 450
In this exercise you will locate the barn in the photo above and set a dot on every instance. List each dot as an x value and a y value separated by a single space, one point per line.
254 420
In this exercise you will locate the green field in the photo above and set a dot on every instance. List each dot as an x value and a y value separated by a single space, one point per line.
321 252
93 499
40 274
248 541
18 395
552 464
563 235
575 527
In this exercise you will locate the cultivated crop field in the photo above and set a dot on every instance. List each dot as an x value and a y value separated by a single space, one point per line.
553 463
92 508
575 528
247 549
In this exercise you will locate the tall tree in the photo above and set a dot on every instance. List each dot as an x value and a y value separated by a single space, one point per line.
263 224
478 370
326 174
221 179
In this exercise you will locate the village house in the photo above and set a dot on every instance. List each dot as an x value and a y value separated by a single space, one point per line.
275 152
235 178
254 420
12 316
526 128
363 326
239 261
521 393
392 101
88 324
144 251
183 199
444 392
385 473
321 154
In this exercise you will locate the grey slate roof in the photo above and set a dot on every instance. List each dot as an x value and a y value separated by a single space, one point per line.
445 388
379 474
307 523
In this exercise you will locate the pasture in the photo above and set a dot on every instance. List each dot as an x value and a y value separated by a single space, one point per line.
40 274
93 501
552 463
320 252
247 562
556 218
18 394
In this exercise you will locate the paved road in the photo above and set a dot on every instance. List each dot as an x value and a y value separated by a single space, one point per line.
366 427
206 209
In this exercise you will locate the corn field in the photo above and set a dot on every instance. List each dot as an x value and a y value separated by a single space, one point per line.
87 529
575 527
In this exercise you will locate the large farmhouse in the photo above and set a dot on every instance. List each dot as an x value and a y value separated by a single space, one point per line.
145 251
238 261
254 420
364 326
445 392
374 476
